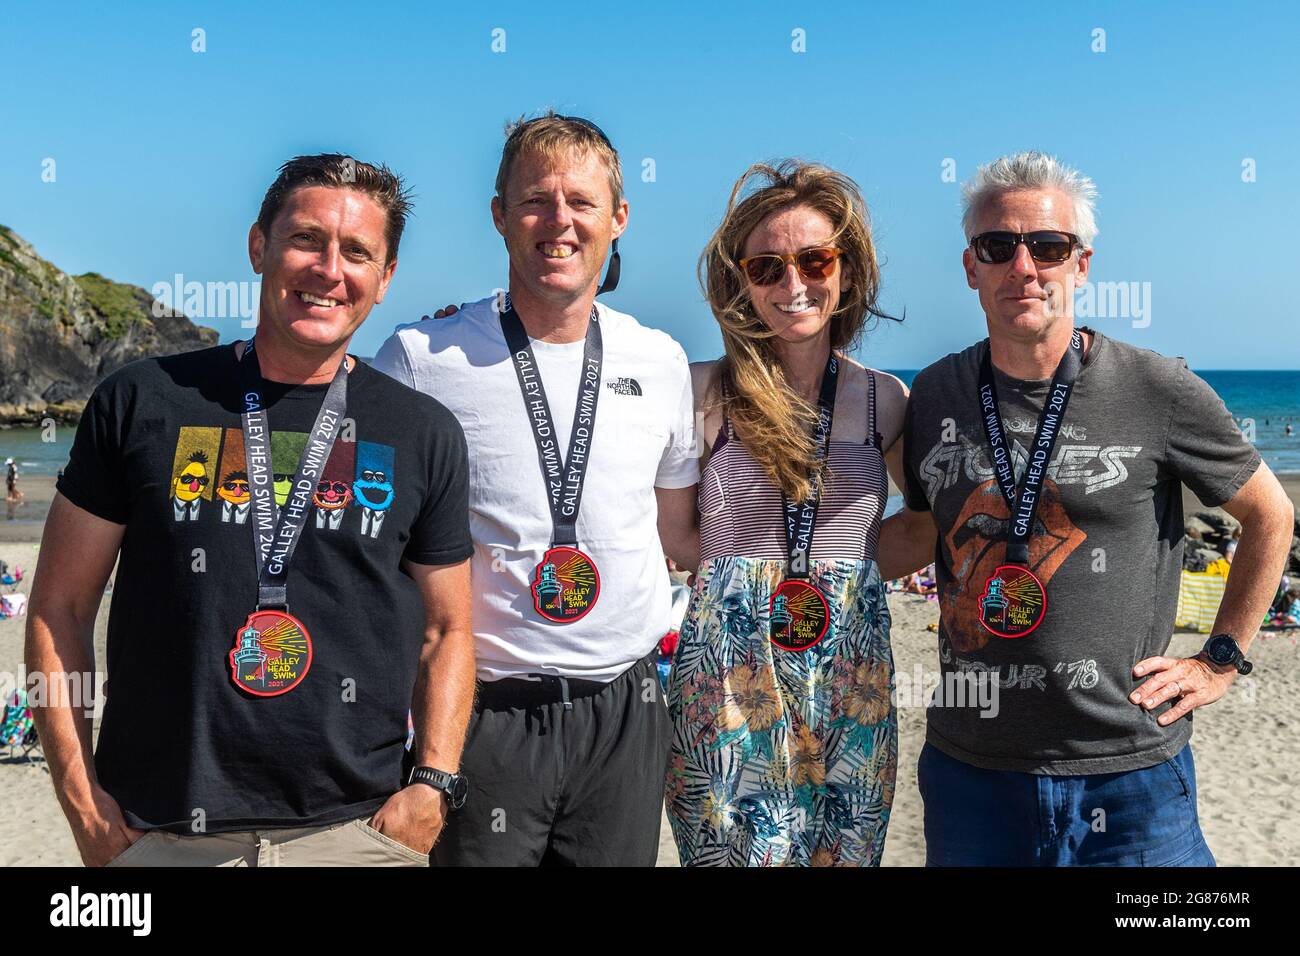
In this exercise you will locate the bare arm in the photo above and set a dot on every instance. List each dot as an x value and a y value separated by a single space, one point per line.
907 542
907 539
679 530
78 551
440 705
679 526
1267 517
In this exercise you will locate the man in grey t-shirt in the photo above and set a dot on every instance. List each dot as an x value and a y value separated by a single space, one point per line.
1057 700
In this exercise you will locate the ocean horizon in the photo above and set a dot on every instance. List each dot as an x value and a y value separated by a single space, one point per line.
1262 401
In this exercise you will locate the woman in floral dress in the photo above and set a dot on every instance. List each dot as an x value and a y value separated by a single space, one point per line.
785 735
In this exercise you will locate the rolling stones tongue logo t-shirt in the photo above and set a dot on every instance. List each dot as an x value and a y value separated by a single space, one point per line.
237 719
1106 546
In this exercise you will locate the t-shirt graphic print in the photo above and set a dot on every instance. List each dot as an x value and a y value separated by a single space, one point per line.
272 651
266 717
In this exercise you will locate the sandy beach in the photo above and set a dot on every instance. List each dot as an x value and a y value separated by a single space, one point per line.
23 523
1246 746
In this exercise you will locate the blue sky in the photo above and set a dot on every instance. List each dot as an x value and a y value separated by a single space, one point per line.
163 154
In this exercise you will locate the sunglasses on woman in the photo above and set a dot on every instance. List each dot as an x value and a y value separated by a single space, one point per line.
769 268
1045 246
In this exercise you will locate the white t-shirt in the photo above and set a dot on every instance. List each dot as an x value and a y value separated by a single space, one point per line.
644 438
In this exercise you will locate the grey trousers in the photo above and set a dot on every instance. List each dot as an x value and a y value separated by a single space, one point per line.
352 843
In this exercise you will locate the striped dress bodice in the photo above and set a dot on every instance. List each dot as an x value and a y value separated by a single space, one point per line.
742 514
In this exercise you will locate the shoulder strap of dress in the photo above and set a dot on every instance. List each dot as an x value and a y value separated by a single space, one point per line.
726 431
873 436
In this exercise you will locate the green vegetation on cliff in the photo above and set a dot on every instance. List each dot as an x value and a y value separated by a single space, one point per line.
7 257
115 302
62 334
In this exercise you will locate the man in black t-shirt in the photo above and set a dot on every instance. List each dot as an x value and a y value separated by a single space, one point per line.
291 532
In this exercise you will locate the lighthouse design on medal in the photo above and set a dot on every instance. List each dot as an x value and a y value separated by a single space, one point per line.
270 654
1013 602
249 658
547 587
994 603
780 611
565 585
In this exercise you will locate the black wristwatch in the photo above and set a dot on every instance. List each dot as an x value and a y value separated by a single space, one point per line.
454 785
1221 649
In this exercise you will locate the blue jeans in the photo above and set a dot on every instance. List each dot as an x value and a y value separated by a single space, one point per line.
977 817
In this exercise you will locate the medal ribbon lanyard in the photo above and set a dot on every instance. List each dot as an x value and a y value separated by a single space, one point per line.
274 541
1023 501
564 478
800 519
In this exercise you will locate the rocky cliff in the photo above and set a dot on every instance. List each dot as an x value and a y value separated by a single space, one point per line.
61 334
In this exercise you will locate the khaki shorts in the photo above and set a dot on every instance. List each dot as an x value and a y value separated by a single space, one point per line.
339 844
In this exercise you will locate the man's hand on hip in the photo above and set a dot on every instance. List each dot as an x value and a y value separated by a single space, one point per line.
1194 679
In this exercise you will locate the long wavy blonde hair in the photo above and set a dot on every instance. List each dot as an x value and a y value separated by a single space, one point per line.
750 382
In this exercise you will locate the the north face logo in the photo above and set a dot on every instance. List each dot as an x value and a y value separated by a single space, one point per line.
624 386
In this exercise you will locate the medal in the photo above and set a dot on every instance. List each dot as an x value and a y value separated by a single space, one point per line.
272 654
798 616
565 585
1014 601
797 613
272 651
565 582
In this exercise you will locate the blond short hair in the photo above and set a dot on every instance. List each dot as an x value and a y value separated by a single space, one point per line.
555 137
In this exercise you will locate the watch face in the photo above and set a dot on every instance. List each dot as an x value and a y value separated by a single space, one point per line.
459 791
1223 649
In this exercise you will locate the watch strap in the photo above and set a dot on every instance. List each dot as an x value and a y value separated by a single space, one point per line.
452 784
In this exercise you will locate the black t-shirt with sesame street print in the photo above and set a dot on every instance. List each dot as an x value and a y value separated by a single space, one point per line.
200 733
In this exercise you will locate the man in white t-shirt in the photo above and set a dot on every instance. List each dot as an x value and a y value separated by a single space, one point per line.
582 477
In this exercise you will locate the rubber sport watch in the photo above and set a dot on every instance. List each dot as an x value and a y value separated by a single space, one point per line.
454 785
1221 649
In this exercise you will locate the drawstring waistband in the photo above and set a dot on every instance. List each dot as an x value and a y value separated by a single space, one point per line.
564 693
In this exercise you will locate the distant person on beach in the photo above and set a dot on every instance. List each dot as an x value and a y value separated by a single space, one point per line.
783 670
261 672
584 469
13 495
919 582
1051 460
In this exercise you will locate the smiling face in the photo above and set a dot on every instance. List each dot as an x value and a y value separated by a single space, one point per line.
1023 299
323 267
374 490
332 495
558 221
797 309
